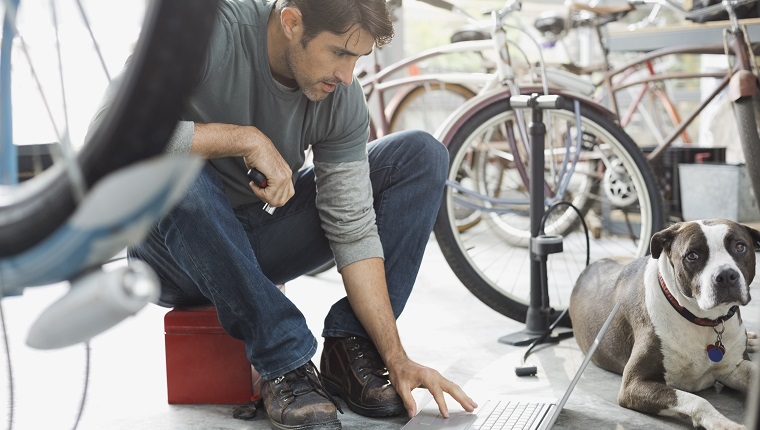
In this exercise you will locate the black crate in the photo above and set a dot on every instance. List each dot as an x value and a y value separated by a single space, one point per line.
665 169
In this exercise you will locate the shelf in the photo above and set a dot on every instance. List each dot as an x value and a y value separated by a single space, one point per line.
691 34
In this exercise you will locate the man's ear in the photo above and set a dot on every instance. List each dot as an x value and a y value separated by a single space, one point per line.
292 22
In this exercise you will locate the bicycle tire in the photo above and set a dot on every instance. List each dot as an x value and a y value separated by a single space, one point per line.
145 109
490 266
747 112
423 99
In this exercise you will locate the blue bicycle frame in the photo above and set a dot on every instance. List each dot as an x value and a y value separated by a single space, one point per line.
8 153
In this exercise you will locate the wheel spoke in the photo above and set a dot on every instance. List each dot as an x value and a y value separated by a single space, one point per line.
95 43
73 170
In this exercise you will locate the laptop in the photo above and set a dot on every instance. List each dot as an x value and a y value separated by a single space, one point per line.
507 412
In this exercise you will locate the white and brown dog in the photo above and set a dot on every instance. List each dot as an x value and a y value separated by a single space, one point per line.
679 328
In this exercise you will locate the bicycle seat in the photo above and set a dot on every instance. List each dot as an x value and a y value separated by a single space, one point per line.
551 25
469 34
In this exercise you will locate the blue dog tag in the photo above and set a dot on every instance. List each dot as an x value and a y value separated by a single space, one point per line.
715 352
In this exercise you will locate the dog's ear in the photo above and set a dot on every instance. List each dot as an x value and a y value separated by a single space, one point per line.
755 236
662 240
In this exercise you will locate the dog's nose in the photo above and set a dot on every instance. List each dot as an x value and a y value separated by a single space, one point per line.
727 278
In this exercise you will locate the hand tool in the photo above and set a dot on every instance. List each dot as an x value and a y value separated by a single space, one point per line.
260 180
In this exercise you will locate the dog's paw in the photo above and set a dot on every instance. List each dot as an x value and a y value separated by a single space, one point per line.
711 419
729 426
753 342
721 423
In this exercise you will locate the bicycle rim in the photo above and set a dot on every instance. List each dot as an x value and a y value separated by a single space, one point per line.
427 105
162 68
612 185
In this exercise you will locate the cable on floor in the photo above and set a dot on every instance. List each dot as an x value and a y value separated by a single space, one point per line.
10 367
86 384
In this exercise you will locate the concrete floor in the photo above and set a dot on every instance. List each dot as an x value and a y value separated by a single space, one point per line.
443 326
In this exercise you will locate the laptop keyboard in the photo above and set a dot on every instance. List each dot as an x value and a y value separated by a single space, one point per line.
507 415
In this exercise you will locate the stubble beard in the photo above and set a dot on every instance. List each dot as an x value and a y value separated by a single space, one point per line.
308 88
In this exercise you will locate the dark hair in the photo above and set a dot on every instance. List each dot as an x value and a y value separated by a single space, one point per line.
338 16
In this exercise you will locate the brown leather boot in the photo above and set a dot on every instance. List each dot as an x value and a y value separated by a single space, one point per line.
298 401
352 369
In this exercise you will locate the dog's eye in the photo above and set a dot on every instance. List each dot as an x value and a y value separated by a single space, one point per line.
692 256
741 247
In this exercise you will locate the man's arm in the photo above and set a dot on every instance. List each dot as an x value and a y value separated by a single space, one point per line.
227 140
223 140
368 295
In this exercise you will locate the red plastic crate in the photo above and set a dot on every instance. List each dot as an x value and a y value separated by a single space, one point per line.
204 365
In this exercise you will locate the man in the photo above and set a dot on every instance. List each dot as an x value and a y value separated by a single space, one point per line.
278 80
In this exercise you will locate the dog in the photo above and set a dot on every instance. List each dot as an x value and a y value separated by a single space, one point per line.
679 328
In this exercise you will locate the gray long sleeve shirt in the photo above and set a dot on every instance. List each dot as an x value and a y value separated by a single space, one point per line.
237 87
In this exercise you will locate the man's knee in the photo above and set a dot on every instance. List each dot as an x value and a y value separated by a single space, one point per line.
438 156
205 188
428 154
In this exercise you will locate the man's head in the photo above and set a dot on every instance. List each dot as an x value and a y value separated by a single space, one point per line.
342 17
326 37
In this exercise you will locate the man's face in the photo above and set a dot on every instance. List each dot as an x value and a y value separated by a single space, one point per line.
327 61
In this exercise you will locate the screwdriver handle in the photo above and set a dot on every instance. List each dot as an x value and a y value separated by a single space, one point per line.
260 180
257 177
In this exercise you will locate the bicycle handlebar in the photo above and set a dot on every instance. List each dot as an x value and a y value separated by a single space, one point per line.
441 4
445 5
511 6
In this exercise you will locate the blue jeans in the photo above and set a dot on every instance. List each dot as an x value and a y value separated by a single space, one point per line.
204 251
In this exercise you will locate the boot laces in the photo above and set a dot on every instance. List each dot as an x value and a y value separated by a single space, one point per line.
309 374
372 363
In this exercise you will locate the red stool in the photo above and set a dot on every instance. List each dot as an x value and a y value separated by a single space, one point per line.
204 365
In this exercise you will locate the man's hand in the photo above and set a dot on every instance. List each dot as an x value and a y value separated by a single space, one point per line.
264 157
229 140
368 294
408 375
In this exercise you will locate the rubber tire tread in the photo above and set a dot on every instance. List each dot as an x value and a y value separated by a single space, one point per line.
163 69
443 230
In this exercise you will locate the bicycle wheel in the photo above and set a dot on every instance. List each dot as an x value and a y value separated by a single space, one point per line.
605 176
426 105
143 113
747 111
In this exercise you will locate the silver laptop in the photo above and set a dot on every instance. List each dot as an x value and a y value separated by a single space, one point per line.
507 412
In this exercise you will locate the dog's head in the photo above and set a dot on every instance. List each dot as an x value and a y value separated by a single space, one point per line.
713 260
